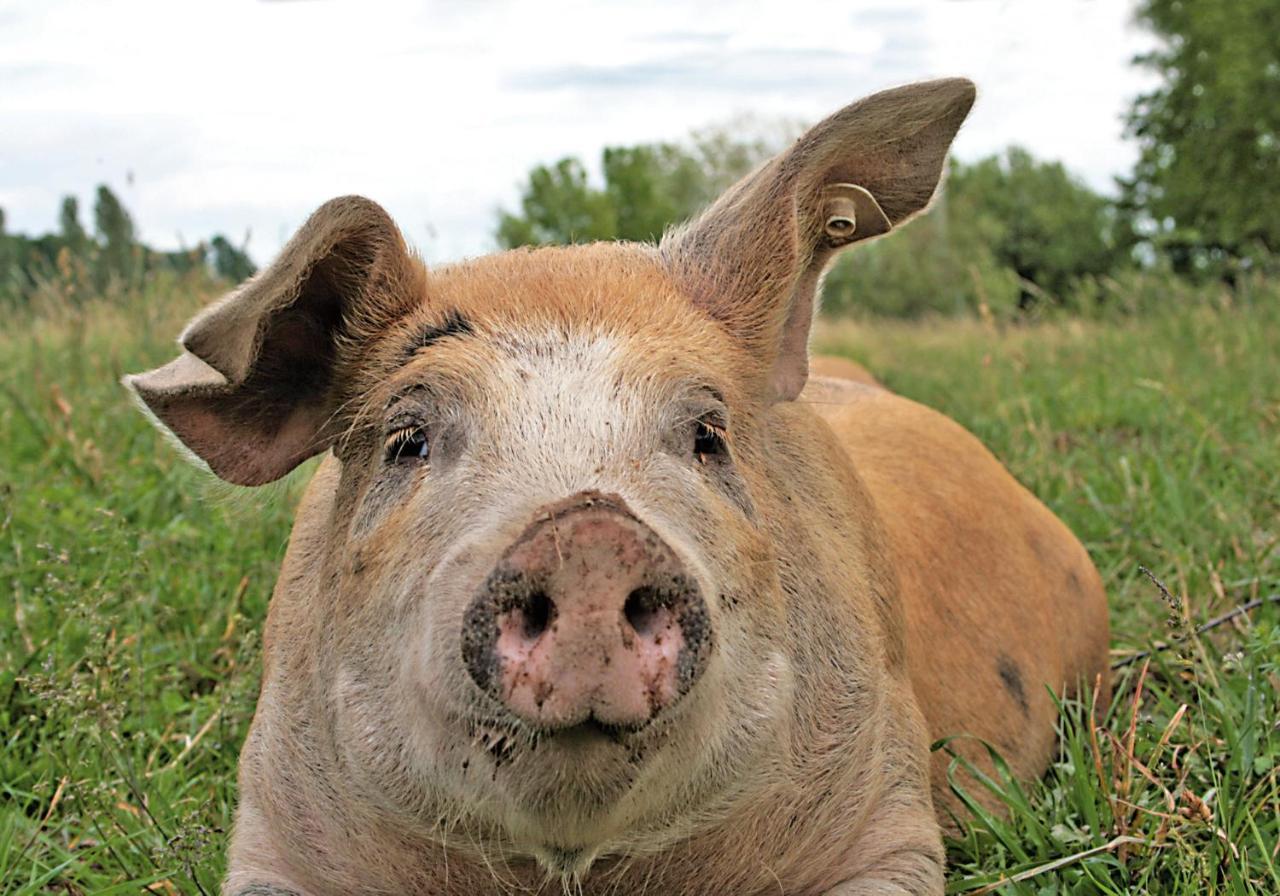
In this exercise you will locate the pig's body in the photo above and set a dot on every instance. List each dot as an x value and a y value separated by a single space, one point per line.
989 594
999 598
592 591
841 369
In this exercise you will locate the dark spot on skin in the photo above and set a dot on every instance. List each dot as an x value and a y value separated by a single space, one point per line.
1037 546
1011 678
454 324
1074 583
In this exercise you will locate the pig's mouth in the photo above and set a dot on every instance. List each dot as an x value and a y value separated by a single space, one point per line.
592 729
568 775
505 742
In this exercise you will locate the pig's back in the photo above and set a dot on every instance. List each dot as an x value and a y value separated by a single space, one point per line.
1000 599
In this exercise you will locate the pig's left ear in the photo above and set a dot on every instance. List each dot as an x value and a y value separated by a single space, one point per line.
259 384
754 259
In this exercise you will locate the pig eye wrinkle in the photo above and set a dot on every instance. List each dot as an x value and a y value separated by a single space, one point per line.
408 443
453 324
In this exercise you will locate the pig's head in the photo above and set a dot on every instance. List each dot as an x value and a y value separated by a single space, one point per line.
544 599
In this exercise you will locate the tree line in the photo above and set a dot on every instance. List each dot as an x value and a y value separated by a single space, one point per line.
110 256
1010 233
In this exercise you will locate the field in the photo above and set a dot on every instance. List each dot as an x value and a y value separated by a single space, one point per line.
129 651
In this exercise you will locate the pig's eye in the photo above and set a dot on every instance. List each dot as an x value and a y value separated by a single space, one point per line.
408 443
708 441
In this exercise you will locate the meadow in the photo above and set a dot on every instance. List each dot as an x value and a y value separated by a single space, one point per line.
129 649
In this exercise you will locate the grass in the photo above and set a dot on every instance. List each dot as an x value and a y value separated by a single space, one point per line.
129 651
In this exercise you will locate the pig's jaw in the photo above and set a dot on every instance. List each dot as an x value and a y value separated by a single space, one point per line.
575 783
574 827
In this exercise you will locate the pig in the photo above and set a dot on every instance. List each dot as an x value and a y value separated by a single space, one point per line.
841 369
595 590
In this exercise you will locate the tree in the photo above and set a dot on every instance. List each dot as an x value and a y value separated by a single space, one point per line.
1204 187
1008 232
74 259
654 186
647 188
70 229
1043 224
10 283
229 262
559 207
115 231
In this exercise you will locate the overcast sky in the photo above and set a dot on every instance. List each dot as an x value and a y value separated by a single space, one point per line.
241 117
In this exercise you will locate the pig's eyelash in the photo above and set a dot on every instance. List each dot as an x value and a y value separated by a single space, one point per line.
398 436
406 442
710 439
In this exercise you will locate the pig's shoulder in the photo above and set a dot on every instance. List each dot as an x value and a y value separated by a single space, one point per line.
823 392
882 430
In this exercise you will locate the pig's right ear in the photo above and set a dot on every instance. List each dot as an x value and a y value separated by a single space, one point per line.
258 386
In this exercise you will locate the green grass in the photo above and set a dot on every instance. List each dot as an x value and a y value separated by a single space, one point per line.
129 651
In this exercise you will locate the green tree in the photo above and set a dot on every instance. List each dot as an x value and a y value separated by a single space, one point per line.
70 229
77 263
1007 232
1205 185
10 283
654 186
115 232
24 259
230 262
1040 222
558 206
649 187
646 189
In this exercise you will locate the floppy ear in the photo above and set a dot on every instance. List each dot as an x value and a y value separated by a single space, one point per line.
754 259
255 391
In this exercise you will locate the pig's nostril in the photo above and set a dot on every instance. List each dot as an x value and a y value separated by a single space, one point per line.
641 610
537 611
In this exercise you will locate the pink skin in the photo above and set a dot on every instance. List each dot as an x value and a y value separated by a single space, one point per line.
594 642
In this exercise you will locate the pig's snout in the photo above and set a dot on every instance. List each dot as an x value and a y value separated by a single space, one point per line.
588 617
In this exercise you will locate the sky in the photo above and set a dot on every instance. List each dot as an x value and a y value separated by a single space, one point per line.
242 116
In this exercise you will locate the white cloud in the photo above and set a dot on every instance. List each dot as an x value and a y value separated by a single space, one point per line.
236 115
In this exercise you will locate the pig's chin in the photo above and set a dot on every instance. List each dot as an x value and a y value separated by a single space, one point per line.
578 774
567 792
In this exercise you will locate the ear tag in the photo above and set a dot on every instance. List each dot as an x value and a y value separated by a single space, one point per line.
842 219
851 213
